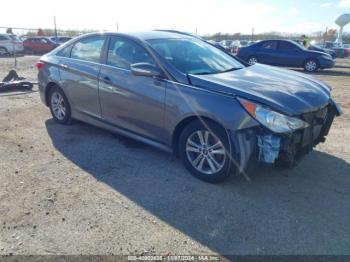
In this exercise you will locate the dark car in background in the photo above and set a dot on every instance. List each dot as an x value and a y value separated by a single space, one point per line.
183 95
317 47
341 52
331 52
38 45
285 53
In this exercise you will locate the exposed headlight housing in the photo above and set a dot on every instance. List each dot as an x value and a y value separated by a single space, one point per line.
273 120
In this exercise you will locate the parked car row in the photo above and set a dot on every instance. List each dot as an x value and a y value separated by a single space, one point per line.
340 51
233 45
10 44
277 52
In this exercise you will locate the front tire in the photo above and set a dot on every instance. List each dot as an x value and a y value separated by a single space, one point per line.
205 151
311 65
59 106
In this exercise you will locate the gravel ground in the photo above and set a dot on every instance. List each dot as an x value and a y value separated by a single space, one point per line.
81 190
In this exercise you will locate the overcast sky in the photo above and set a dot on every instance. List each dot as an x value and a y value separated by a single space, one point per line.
208 16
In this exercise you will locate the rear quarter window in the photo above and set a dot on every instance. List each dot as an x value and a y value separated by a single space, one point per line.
88 49
65 52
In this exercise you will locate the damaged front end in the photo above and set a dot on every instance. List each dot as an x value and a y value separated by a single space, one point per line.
263 145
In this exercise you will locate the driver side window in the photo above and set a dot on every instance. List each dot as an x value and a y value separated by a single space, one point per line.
124 52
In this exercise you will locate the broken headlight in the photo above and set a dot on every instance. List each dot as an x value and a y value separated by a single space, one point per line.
273 120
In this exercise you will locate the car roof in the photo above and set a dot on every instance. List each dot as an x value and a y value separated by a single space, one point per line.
144 36
158 35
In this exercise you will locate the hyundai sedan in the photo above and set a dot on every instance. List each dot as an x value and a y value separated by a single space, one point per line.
185 96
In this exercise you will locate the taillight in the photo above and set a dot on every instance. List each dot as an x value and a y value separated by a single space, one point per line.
40 65
237 50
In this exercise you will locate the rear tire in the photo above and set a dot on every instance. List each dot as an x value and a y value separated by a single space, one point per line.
59 106
311 65
205 151
253 60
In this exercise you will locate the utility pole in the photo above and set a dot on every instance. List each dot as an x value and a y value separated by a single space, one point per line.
117 26
196 31
54 22
252 39
14 55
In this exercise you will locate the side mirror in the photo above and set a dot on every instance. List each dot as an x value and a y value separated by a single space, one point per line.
145 69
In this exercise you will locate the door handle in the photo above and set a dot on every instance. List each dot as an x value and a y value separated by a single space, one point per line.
106 79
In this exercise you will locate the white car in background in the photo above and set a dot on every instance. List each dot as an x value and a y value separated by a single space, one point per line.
10 44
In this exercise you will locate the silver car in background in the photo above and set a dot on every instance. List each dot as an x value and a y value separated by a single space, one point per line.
10 44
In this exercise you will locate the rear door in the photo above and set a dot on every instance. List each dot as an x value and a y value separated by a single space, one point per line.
133 103
289 54
35 45
79 69
266 53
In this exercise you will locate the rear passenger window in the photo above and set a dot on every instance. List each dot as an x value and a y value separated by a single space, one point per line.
124 52
269 45
88 49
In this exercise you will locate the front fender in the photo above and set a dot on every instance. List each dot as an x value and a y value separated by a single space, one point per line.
184 101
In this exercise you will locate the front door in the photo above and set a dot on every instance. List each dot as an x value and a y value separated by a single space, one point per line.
290 54
133 103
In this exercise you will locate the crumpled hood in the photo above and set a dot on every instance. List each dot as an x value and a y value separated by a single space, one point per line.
286 91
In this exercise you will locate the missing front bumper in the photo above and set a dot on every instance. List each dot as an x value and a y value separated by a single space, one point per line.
263 146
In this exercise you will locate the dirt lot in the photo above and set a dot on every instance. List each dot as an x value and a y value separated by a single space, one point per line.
81 190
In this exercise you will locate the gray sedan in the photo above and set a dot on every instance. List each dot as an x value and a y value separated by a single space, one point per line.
185 96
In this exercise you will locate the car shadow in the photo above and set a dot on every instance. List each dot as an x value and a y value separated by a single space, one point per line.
341 66
299 211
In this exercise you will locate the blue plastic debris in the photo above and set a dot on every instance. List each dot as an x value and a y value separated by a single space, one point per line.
269 147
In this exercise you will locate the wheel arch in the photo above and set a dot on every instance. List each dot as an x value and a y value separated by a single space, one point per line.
253 55
184 122
312 58
48 88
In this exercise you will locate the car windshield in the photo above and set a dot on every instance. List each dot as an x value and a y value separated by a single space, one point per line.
192 56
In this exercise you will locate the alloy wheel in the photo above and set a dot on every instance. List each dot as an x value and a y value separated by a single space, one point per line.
311 66
58 106
205 152
252 60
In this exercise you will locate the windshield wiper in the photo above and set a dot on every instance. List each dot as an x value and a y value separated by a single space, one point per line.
232 69
204 73
219 72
